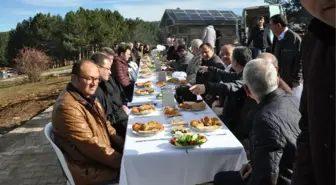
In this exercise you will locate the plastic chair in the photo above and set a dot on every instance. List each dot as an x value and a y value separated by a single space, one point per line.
48 134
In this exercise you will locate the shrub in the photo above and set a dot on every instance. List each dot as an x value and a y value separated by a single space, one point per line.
32 63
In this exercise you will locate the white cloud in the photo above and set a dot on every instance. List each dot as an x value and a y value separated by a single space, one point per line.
54 3
154 11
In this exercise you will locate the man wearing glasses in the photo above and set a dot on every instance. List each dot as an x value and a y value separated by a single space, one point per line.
89 143
111 95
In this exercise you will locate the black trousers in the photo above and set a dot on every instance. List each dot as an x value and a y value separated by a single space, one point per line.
229 178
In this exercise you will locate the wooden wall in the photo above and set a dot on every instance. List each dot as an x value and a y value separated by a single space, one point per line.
195 32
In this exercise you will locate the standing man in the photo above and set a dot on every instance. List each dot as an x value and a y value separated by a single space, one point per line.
260 37
209 35
315 161
286 47
217 44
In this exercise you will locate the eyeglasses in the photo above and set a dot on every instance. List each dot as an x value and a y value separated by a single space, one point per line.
91 79
108 69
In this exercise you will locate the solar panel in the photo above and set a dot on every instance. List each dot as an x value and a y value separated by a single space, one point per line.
178 11
180 14
205 15
190 11
221 18
208 18
202 11
195 17
182 18
216 15
213 11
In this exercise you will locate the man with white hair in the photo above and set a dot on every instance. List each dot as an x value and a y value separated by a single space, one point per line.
273 130
195 62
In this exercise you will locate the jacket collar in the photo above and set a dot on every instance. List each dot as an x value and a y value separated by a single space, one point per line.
118 59
78 96
272 96
322 31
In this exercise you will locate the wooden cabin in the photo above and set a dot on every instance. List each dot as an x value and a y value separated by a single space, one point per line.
189 24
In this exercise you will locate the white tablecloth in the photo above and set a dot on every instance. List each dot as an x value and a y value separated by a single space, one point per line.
157 162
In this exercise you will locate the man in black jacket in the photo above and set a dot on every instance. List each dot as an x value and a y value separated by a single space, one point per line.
273 132
209 58
232 83
111 96
315 164
286 47
260 37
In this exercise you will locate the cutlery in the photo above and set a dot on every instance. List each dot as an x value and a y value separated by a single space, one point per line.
147 140
222 134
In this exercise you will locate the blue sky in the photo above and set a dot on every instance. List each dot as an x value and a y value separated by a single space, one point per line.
14 11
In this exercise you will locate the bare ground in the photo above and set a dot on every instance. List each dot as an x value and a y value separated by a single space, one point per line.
20 102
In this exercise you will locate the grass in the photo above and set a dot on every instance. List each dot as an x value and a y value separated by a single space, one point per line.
11 92
59 68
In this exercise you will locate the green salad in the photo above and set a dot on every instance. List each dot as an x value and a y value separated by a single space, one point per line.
189 139
159 96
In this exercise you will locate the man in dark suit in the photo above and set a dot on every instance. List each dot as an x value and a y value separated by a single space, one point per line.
286 47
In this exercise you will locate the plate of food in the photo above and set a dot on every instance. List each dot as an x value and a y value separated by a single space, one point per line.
146 75
206 124
174 81
192 106
188 140
179 131
160 83
142 92
147 129
147 84
159 96
170 111
178 121
145 70
143 109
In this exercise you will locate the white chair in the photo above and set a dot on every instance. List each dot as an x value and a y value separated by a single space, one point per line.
48 134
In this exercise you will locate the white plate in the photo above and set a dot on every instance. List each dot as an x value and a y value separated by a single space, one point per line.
206 129
143 113
146 134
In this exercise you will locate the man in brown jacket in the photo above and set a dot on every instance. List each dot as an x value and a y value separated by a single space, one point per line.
90 145
315 163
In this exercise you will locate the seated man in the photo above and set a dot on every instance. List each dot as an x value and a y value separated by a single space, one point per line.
232 83
89 143
111 95
185 57
273 132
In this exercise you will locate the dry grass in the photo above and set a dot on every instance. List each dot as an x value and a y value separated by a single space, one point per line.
20 102
59 68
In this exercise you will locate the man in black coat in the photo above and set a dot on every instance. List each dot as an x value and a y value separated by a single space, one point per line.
232 82
286 47
111 96
315 164
273 132
209 58
260 36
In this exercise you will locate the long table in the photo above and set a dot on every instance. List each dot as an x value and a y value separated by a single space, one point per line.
154 161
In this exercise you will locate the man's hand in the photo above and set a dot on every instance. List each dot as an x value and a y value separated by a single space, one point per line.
216 104
197 89
245 171
203 69
125 108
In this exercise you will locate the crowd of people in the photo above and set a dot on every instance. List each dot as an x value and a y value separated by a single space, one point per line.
291 138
